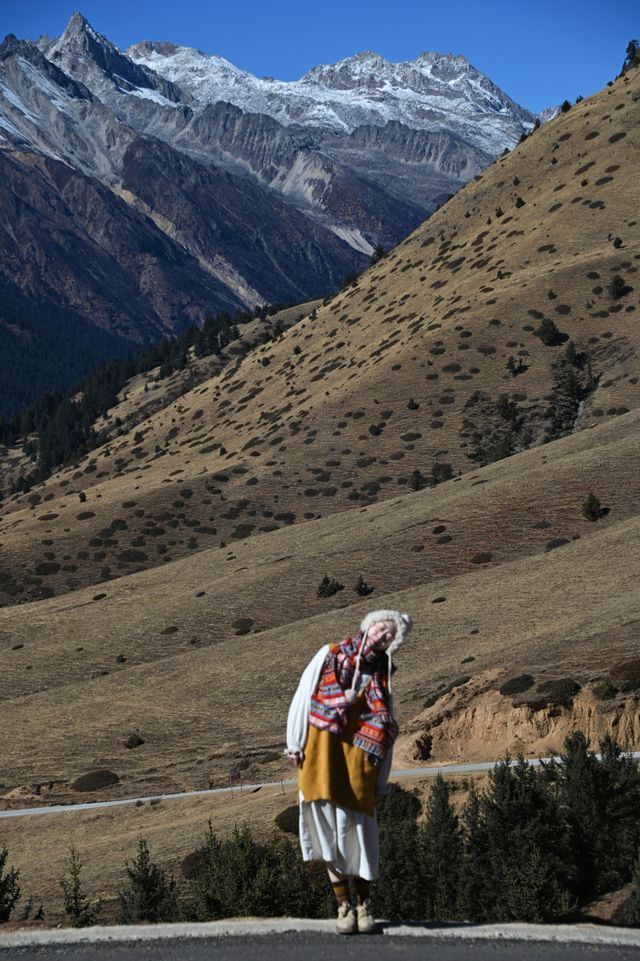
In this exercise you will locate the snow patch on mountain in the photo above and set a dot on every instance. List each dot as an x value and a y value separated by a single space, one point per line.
146 94
354 238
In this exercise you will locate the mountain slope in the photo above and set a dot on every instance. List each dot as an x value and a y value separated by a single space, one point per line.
257 204
186 649
402 372
503 573
289 161
122 238
431 92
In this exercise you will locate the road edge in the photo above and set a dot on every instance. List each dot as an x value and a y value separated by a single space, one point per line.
561 933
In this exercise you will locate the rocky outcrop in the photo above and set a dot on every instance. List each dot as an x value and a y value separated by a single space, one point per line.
473 721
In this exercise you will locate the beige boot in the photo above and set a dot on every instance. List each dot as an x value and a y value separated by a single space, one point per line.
346 923
366 920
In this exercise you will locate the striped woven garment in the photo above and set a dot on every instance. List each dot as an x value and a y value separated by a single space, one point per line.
377 728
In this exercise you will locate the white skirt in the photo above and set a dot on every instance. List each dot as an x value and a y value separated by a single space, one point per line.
346 840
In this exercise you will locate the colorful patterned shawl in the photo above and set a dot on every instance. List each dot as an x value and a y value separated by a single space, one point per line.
377 728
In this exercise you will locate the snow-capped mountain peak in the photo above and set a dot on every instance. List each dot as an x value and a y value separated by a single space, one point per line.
80 35
433 92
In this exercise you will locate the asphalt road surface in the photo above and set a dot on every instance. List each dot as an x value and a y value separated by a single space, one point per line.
312 946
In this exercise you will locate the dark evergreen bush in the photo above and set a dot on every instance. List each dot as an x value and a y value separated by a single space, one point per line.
76 904
362 588
329 586
441 472
618 288
600 799
559 690
396 892
239 876
632 906
9 887
418 481
592 508
522 848
440 847
150 895
549 333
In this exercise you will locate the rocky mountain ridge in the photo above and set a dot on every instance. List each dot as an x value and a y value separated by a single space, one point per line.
158 198
432 92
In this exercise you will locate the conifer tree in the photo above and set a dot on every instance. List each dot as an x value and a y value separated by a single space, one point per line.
525 833
240 876
76 904
472 889
578 794
150 894
619 797
440 847
601 799
395 893
632 906
9 887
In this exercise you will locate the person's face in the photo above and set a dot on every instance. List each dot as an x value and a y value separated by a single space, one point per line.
382 634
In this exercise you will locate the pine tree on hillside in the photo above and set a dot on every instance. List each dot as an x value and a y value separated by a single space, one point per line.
600 799
150 894
240 876
76 904
578 794
632 58
9 887
619 823
395 893
440 845
525 838
472 891
378 253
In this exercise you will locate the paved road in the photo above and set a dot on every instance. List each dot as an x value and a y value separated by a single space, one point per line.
445 770
325 947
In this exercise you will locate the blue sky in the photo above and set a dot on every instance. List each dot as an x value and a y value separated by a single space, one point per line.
539 52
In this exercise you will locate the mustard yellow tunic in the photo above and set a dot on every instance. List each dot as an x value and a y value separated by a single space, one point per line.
334 770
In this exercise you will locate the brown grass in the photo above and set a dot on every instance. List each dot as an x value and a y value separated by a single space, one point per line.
243 492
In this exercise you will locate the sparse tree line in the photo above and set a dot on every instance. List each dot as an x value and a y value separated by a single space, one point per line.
632 59
535 845
58 427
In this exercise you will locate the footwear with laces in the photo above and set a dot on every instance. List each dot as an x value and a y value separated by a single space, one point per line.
366 920
346 923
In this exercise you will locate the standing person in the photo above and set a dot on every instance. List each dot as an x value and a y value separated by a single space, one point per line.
340 734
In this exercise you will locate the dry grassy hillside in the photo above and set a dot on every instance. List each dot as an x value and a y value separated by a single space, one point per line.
200 657
177 568
401 371
147 393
